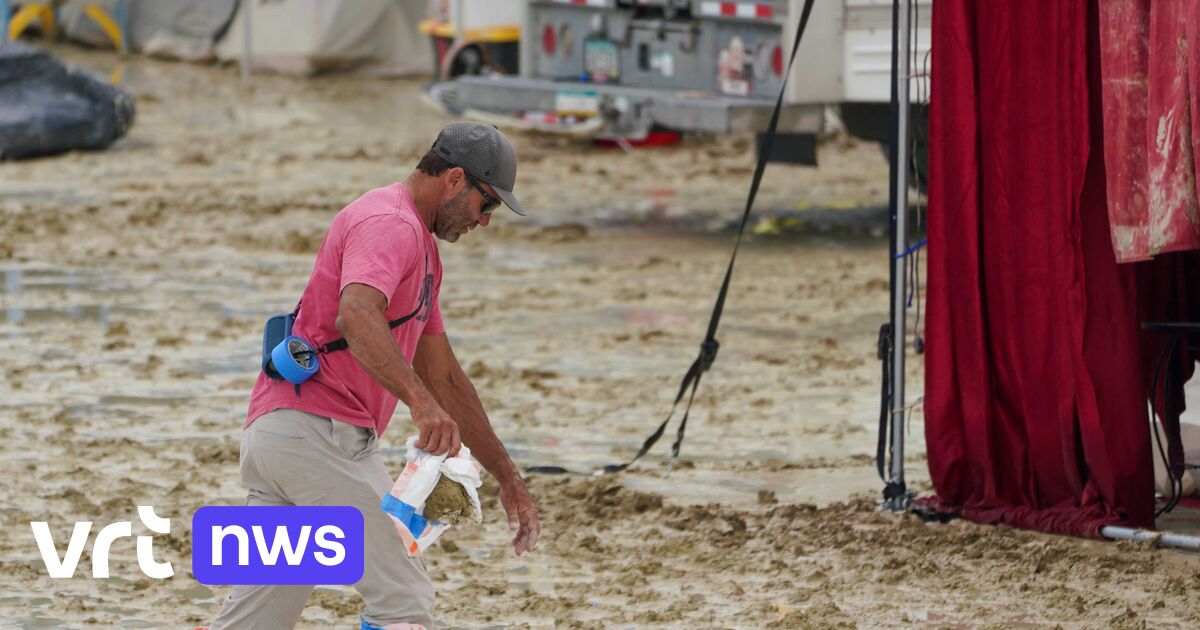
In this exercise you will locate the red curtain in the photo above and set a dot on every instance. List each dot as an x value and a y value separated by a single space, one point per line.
1035 407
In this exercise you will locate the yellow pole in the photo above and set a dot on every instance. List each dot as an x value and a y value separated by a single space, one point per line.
107 24
25 16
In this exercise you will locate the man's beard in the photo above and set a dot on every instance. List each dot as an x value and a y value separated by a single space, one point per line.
453 218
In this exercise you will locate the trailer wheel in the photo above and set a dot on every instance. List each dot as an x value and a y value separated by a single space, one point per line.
465 58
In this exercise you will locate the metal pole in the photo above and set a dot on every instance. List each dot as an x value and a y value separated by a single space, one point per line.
1164 539
123 24
525 46
5 14
900 236
247 17
460 22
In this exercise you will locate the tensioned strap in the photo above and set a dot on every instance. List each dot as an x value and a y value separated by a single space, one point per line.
709 347
341 344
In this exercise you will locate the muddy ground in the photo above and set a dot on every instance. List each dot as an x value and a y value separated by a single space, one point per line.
137 279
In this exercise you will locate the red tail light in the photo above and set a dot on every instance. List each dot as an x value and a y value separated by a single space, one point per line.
548 40
777 61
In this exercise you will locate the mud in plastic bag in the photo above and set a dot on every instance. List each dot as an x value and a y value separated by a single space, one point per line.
406 503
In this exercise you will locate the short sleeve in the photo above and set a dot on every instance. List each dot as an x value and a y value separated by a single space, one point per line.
434 325
378 251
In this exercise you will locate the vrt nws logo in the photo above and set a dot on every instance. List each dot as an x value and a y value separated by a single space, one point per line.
64 567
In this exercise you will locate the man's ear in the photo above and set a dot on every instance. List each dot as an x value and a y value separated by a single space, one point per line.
455 178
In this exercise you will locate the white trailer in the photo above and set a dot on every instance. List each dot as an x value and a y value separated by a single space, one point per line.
620 68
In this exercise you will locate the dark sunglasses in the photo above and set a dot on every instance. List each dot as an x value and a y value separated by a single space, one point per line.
489 203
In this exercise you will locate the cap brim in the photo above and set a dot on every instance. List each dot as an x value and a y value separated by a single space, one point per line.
509 200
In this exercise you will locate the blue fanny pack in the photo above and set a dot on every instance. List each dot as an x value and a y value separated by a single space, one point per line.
286 357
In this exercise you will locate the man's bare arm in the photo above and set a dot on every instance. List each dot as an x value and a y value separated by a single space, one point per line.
362 320
439 369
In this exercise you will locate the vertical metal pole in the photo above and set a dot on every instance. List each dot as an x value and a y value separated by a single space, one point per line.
123 24
5 14
247 17
900 236
460 23
525 43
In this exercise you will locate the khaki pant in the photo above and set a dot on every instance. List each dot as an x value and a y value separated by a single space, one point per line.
295 458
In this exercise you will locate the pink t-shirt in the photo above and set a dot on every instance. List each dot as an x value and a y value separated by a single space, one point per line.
378 240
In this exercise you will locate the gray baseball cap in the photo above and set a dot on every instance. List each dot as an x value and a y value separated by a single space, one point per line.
483 152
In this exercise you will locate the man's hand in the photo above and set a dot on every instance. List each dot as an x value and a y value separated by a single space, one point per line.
522 514
439 433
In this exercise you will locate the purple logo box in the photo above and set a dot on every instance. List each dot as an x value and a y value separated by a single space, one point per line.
277 545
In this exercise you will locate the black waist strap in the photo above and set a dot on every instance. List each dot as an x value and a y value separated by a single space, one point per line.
341 344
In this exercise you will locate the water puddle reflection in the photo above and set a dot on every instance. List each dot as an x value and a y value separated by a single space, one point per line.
43 294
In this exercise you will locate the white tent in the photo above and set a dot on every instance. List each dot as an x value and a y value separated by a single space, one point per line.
180 29
311 36
290 36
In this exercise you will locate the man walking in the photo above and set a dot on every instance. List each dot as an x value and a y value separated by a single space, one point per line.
316 444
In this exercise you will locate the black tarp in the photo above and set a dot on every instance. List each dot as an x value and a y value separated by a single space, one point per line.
48 107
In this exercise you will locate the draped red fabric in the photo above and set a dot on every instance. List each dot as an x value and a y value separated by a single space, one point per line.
1151 87
1034 399
1192 34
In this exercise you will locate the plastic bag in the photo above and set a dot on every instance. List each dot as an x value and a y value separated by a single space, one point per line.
405 503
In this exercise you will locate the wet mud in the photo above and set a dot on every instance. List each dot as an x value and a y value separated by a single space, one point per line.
448 502
136 283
